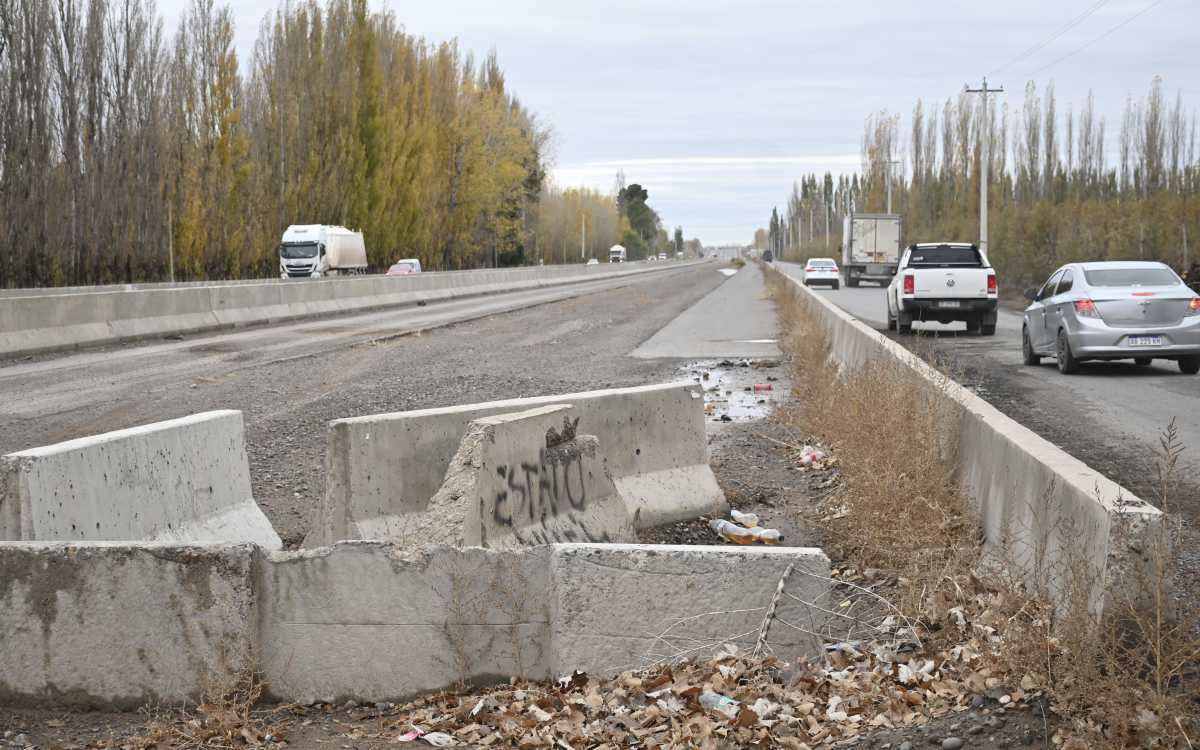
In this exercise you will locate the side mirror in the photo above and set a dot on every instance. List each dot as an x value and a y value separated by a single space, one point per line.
1031 295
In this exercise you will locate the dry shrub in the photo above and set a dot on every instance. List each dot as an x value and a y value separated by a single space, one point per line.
225 718
1128 679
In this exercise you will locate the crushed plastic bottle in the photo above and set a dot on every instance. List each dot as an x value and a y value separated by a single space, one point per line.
731 532
749 520
722 704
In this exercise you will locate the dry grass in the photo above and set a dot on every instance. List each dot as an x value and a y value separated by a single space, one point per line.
1127 680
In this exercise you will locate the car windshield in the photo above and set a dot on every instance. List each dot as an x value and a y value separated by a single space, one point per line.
298 250
1130 277
403 267
944 256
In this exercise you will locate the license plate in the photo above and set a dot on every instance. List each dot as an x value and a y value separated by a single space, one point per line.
1144 340
948 303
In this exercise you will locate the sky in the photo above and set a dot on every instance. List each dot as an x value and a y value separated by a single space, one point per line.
716 107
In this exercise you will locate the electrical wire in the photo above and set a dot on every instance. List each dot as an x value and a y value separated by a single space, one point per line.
1062 30
1113 30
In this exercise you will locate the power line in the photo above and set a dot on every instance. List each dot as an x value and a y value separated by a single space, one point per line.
1062 30
1114 29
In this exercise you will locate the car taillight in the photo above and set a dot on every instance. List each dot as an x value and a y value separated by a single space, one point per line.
910 284
1085 308
1194 306
808 269
991 283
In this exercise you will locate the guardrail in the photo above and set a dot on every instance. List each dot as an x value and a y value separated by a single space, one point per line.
57 320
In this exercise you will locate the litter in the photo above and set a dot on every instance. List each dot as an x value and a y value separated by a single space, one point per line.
722 704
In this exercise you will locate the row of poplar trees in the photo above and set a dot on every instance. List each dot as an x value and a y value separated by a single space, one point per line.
1065 184
128 153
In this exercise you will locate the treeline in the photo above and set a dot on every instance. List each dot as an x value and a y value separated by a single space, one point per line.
577 224
125 151
1063 186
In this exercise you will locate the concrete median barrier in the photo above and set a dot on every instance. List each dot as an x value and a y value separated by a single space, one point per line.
184 480
519 480
120 626
380 468
56 319
1051 517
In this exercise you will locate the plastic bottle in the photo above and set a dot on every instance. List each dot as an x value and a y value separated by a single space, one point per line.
722 704
731 532
766 536
749 520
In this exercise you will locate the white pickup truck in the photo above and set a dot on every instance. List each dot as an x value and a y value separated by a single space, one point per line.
943 282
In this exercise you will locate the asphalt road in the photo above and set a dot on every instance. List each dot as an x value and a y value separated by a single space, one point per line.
1111 415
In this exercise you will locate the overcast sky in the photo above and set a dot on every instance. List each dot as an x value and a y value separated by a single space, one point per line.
717 106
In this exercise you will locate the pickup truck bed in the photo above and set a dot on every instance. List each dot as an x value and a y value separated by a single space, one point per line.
943 283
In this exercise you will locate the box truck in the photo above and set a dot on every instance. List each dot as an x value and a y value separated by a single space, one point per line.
870 248
316 250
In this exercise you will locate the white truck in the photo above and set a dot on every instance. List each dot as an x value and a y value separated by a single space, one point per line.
616 254
316 250
943 282
870 247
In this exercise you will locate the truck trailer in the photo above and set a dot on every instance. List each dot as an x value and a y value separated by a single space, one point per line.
870 248
316 250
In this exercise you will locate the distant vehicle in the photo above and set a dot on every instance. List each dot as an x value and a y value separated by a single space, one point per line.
662 256
678 255
870 248
768 256
616 254
821 271
315 250
593 262
1112 310
943 282
404 267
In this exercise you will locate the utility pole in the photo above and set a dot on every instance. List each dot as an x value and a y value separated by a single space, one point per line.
890 164
582 234
985 158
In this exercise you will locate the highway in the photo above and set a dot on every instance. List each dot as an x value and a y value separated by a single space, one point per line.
1111 415
290 379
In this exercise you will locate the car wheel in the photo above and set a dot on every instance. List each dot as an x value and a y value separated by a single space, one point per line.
1189 365
1028 356
1142 361
1067 364
836 286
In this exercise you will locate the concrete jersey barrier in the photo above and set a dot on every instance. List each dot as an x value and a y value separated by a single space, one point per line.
381 467
54 320
112 625
184 480
519 480
1042 510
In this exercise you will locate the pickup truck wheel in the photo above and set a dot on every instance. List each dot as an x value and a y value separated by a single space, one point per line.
973 325
891 322
1142 361
1067 364
1028 356
903 322
1189 365
989 329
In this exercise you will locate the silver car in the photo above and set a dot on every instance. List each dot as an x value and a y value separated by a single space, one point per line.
1112 310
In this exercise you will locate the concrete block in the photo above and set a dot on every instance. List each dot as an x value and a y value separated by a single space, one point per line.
184 480
625 606
518 480
370 621
381 467
118 626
